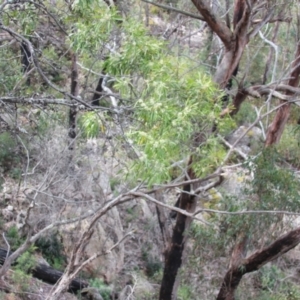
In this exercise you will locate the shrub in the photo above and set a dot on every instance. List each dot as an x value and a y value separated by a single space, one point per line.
14 238
8 151
104 290
52 250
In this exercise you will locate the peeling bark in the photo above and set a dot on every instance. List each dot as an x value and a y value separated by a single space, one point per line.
255 262
234 42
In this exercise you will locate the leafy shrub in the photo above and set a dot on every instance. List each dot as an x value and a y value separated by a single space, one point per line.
184 292
90 124
26 261
14 238
52 250
8 151
152 264
289 145
104 290
24 264
246 114
21 281
273 285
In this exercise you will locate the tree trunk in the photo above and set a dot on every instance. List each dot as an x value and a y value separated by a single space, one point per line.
99 89
162 221
74 92
174 257
276 128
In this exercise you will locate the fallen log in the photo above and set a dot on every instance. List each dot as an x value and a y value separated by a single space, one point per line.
48 274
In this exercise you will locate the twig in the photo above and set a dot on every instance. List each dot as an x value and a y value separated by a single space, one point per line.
174 9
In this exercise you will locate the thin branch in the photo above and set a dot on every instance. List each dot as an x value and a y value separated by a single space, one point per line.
49 101
261 24
247 212
279 19
239 152
178 210
175 10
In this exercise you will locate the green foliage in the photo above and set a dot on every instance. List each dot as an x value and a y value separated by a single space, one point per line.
47 120
104 290
184 292
91 124
153 265
276 187
273 188
289 145
273 285
114 183
94 22
10 72
8 151
246 114
26 261
52 250
140 52
14 238
208 243
175 101
21 281
27 18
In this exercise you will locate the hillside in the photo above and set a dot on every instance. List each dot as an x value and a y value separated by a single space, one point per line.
149 150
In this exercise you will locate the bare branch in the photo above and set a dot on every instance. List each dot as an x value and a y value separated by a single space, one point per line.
175 10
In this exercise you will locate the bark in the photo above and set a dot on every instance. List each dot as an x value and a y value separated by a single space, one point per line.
276 128
98 91
216 24
162 221
255 262
48 274
74 92
25 60
175 256
234 42
239 98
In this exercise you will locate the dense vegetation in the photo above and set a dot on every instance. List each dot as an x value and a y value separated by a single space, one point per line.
122 119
